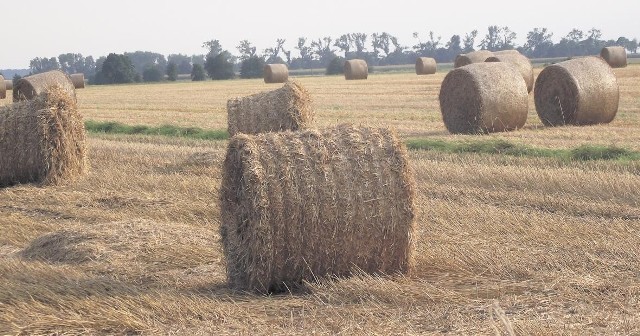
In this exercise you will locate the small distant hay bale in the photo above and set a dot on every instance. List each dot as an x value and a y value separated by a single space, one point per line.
478 56
8 84
42 140
78 80
521 62
426 66
581 91
616 57
276 73
3 88
356 69
29 87
307 205
482 98
287 108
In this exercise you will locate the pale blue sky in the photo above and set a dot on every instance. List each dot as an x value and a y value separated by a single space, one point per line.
40 28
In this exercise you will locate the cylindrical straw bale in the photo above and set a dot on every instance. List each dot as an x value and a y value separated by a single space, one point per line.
287 108
276 73
42 140
77 80
581 91
29 87
356 69
426 66
3 88
298 206
478 56
505 52
8 84
616 57
521 62
483 97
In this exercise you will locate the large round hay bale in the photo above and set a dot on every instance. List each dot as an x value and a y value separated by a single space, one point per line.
3 88
78 80
276 73
29 87
616 57
581 91
521 62
299 206
8 84
426 66
356 69
478 56
287 108
42 140
483 97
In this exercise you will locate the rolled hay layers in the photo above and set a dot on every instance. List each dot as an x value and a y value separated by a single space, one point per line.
300 206
42 140
581 91
77 80
276 73
482 98
287 108
29 87
8 84
3 88
521 62
426 66
356 69
478 56
616 57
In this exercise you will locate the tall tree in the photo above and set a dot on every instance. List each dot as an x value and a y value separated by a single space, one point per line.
183 63
428 48
469 41
344 43
213 47
359 42
116 69
220 66
507 38
246 50
538 43
39 65
272 54
142 60
322 49
491 41
172 71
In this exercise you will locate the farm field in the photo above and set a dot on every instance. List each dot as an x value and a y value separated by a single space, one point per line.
533 245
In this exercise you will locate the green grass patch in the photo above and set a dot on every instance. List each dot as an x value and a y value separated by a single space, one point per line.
112 127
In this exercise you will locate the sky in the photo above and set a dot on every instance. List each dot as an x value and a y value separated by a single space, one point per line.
45 28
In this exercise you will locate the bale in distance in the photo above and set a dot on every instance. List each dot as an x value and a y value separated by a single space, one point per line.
276 73
298 206
521 62
8 84
287 108
581 91
483 98
42 140
356 69
478 56
78 80
3 88
29 87
616 57
426 66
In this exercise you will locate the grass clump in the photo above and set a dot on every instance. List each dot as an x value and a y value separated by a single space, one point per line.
112 127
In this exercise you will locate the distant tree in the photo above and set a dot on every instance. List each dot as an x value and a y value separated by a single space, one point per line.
359 42
246 50
183 63
213 47
336 66
306 53
323 51
428 48
454 45
172 71
198 73
220 66
198 59
15 79
252 67
506 39
469 41
116 69
344 43
538 43
39 65
153 73
491 41
141 60
272 54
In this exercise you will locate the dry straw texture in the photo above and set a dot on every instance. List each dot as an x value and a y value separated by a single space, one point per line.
483 97
8 84
287 108
478 56
306 205
77 80
615 56
276 73
521 62
29 87
356 69
426 66
3 88
42 140
582 91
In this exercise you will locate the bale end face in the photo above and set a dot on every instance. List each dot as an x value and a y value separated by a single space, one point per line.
78 80
356 69
616 57
426 66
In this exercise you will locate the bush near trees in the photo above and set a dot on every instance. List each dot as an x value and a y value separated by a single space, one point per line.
252 67
172 71
220 66
116 69
336 66
153 73
198 73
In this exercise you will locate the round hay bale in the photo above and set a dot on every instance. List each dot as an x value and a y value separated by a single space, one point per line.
298 206
3 88
31 86
478 56
581 91
77 80
506 52
356 69
616 57
483 97
8 84
276 73
521 62
42 140
287 108
426 66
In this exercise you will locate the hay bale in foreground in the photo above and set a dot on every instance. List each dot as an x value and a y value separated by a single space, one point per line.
521 62
478 56
276 73
426 66
356 69
300 206
29 87
42 140
483 97
616 57
78 80
287 108
581 91
8 84
3 88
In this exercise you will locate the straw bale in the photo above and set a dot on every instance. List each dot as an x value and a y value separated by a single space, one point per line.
42 140
616 57
356 69
8 84
581 91
478 56
3 88
286 108
276 73
307 205
31 86
78 80
426 66
483 97
521 62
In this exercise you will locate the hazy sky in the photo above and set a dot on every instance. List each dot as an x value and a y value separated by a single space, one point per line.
45 28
